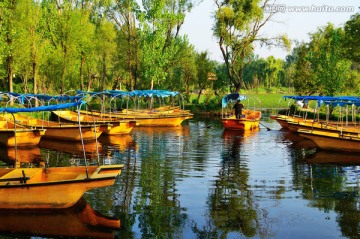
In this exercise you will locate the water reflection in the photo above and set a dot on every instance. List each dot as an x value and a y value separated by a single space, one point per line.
119 142
201 181
294 140
9 155
79 221
231 203
331 157
330 182
75 149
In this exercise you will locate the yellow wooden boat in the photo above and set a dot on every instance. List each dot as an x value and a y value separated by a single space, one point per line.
147 119
335 140
56 187
11 135
117 126
78 221
58 130
249 122
165 115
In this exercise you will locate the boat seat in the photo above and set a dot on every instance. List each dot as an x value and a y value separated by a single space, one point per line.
20 175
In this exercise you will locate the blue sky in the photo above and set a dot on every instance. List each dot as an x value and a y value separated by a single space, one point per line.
295 21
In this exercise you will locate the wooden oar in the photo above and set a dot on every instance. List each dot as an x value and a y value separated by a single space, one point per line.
265 126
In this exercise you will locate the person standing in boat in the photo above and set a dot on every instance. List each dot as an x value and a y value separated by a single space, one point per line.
238 109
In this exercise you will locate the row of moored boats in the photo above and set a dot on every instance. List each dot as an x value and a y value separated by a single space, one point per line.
70 118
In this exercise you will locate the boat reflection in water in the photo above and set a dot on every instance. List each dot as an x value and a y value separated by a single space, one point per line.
231 134
79 220
182 130
10 155
119 142
72 147
297 141
331 157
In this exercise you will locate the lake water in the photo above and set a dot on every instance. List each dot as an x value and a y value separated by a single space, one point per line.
201 181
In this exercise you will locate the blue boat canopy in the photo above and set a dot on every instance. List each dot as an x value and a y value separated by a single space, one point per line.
231 98
153 93
333 100
134 93
60 98
42 108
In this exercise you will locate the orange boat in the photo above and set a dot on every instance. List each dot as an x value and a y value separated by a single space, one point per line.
55 187
250 120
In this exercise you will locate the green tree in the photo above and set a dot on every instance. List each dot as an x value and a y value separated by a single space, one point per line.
237 26
328 63
123 14
184 71
71 34
9 34
304 84
204 66
351 39
159 27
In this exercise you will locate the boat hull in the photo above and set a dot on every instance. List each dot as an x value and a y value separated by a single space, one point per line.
72 133
120 127
21 137
117 126
250 121
166 121
148 119
58 187
239 124
332 141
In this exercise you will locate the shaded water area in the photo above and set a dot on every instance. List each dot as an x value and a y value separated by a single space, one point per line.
201 181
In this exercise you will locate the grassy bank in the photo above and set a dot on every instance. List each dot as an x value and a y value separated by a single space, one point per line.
212 105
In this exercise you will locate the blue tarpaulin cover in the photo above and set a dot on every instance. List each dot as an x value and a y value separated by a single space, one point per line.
42 108
333 100
134 93
25 97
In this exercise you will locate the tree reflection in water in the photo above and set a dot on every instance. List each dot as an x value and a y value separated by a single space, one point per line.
330 181
232 206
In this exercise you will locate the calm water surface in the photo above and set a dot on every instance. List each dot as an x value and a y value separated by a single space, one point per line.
201 181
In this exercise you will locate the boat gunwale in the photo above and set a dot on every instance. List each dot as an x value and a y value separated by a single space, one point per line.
90 178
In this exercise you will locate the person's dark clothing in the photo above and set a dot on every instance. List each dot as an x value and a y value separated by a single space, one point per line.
238 110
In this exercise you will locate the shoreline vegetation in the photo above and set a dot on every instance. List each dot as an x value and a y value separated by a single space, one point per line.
274 103
211 106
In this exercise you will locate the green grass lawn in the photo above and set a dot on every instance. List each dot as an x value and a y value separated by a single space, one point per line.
266 100
257 100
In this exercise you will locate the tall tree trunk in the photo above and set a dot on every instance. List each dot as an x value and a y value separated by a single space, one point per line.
10 61
103 75
81 71
35 81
